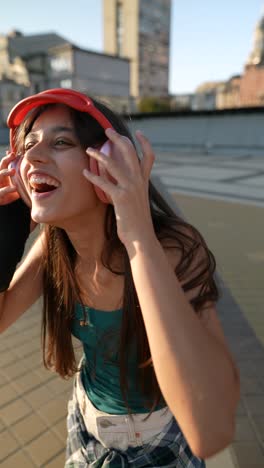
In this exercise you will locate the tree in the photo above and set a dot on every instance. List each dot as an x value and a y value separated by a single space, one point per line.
154 104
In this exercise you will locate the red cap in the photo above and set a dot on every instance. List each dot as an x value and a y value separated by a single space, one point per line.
69 97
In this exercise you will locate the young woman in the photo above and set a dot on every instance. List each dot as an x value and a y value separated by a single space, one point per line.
118 269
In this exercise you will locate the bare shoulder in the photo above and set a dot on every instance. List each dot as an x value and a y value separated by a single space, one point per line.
194 266
31 262
187 248
199 275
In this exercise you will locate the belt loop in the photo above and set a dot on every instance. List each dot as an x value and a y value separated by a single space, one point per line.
130 429
135 437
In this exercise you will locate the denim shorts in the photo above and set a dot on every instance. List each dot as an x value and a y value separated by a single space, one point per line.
90 444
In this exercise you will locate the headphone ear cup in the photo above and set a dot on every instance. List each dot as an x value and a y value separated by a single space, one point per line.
95 169
17 181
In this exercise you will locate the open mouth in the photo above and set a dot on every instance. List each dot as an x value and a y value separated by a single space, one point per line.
43 184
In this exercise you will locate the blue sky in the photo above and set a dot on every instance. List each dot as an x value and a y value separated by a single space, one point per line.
210 39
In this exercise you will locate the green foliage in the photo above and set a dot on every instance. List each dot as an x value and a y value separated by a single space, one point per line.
154 104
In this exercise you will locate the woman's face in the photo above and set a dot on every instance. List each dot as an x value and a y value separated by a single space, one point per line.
51 170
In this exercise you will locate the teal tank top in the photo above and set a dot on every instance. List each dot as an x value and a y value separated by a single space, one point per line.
100 372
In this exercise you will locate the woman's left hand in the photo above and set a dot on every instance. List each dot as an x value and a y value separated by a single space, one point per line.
129 184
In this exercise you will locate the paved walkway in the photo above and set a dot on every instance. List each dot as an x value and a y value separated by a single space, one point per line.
230 178
33 401
227 207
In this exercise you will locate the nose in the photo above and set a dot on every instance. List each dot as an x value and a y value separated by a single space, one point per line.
37 153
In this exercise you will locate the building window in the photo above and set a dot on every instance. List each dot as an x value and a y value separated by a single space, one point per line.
66 83
60 63
119 28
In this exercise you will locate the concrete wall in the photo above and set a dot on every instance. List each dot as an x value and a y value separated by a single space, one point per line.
4 140
225 132
221 132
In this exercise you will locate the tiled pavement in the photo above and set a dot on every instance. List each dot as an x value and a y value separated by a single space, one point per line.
224 199
33 401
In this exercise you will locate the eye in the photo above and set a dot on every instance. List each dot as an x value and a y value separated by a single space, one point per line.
62 142
28 145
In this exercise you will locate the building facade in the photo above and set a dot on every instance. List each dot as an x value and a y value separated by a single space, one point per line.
247 89
252 80
140 31
228 94
30 64
205 96
102 76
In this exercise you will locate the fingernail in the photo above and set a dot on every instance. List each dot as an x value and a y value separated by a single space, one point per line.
86 173
110 130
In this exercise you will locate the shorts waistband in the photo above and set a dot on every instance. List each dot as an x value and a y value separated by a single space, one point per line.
101 425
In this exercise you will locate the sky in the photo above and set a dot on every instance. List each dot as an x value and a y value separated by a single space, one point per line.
210 40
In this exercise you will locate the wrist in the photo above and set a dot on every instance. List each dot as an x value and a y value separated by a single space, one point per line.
141 242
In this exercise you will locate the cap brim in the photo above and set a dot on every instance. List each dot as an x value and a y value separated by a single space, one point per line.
19 112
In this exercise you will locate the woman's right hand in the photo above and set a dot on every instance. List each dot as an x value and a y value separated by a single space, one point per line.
8 191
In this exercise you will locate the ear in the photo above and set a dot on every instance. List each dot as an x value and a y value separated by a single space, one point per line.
106 148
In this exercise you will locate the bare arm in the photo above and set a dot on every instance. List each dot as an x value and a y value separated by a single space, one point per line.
191 359
25 287
193 365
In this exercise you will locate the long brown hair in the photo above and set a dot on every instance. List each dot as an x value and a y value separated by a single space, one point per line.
60 286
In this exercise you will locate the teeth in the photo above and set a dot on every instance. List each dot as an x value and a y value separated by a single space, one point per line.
36 179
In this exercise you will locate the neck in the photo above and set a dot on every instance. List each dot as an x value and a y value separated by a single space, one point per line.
88 237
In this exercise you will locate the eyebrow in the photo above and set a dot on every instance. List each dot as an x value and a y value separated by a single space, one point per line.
55 130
